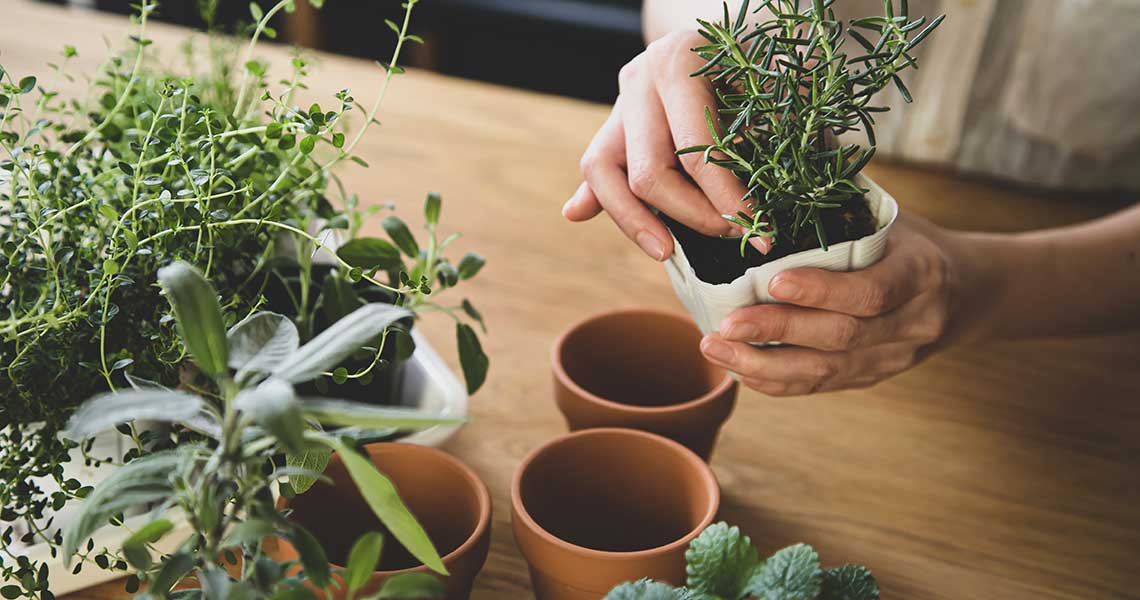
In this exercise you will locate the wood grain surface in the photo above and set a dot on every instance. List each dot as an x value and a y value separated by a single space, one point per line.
998 471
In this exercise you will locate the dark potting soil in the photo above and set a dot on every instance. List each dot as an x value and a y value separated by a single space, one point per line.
718 260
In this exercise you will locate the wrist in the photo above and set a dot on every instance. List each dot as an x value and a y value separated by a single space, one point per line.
980 269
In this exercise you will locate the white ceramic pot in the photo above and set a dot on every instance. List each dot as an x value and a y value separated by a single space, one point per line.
710 303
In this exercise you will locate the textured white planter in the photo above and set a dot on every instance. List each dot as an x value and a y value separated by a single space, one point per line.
710 303
428 384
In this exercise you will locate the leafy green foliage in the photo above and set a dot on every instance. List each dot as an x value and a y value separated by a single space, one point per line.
222 483
785 89
722 564
217 167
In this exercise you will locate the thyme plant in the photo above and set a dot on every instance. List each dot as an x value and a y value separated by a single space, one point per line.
722 564
223 484
786 87
216 166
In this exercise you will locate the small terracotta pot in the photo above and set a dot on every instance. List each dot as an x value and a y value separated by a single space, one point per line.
599 507
446 496
642 369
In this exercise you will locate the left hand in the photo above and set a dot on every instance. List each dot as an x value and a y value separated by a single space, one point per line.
847 330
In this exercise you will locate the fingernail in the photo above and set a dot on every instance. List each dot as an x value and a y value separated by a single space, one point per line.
739 332
782 289
762 245
569 204
717 350
651 245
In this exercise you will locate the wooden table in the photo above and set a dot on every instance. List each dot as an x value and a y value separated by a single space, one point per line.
999 471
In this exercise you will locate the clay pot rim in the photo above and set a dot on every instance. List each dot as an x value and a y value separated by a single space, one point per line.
482 494
560 372
712 487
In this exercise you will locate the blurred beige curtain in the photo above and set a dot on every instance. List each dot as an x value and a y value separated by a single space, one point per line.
1041 92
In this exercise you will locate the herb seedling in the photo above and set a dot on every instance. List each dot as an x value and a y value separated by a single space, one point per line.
722 564
223 483
786 88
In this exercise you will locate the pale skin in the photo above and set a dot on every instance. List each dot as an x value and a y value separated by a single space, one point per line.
933 288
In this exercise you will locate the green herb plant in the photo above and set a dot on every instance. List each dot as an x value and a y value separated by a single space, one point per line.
217 166
786 88
722 564
223 484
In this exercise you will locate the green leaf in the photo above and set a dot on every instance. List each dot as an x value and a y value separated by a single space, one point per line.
113 408
307 144
149 533
174 568
338 298
255 12
369 254
248 533
473 313
11 591
342 338
27 84
470 264
720 561
273 130
432 207
338 140
139 482
790 574
645 589
110 213
313 459
402 236
259 342
274 406
313 557
363 560
198 315
471 357
381 495
110 267
355 414
849 582
411 586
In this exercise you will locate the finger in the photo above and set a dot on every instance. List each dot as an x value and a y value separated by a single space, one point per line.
583 205
602 167
807 327
684 100
868 292
651 163
777 388
788 365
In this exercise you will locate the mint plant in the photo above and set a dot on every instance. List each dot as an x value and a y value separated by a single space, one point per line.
786 88
722 564
223 482
214 163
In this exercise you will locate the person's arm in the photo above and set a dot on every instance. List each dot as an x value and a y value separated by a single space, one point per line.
933 288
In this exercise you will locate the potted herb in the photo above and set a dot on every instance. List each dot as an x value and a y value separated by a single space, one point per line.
222 484
218 166
786 89
722 564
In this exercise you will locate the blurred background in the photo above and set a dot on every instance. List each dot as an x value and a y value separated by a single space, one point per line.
568 47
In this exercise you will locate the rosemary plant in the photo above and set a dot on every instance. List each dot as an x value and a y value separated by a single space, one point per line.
223 484
786 88
221 169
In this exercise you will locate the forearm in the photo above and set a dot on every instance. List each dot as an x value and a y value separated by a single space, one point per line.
1082 279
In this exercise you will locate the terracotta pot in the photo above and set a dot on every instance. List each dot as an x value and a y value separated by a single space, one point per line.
642 369
599 507
446 496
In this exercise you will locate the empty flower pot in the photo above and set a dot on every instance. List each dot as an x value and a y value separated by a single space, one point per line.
446 496
595 508
642 369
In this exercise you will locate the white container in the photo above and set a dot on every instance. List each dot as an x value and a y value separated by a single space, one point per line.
428 383
710 303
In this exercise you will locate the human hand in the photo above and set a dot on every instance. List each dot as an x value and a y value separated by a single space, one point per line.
848 330
631 161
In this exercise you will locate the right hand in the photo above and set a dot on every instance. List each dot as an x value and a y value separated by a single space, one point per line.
632 159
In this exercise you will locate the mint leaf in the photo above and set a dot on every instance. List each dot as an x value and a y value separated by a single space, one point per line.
790 574
849 582
645 589
720 561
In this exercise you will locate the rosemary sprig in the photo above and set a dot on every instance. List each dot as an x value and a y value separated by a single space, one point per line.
786 89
